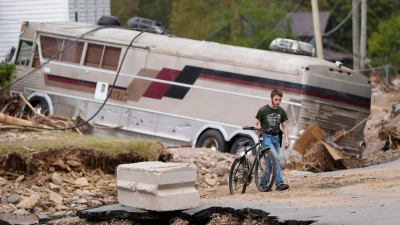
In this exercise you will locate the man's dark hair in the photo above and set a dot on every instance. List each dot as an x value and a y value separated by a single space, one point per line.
276 92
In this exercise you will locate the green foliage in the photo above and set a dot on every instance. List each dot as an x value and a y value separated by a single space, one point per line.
384 44
147 149
6 70
248 23
157 10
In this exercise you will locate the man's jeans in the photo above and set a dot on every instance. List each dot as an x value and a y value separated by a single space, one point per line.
273 143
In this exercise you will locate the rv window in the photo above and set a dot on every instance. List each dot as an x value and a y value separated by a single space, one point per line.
24 53
111 58
93 55
72 51
51 47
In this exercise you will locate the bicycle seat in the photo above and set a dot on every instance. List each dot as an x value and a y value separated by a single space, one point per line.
244 143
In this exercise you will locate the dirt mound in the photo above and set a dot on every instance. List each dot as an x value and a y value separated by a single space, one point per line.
66 158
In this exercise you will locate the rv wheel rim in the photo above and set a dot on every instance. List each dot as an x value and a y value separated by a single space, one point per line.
210 143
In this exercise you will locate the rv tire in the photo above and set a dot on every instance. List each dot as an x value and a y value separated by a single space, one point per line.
235 149
212 139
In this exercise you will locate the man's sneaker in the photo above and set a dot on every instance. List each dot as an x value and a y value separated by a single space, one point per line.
282 187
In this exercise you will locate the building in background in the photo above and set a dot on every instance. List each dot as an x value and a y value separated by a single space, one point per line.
14 12
302 26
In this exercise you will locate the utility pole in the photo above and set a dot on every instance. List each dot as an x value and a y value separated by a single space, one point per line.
363 38
356 36
317 32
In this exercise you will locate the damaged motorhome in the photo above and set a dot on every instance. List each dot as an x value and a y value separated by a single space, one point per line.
182 91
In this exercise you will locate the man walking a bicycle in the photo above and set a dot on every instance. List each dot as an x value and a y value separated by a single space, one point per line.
270 117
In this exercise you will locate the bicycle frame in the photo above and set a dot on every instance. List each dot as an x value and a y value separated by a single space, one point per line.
244 156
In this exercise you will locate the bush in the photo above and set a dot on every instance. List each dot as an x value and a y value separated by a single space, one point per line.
6 70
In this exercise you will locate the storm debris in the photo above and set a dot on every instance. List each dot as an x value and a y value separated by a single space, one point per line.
320 153
391 135
14 116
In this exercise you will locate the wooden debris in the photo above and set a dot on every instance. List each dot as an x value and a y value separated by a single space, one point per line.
320 156
391 135
36 121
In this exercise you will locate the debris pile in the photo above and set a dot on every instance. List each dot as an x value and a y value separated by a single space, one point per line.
14 116
320 153
391 135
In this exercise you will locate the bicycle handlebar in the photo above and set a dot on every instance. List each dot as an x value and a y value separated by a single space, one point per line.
259 129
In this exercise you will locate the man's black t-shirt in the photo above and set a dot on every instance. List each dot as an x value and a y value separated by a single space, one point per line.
271 118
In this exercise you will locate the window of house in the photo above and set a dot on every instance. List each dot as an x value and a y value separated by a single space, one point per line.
102 56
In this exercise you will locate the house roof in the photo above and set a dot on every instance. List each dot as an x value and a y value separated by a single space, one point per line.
302 23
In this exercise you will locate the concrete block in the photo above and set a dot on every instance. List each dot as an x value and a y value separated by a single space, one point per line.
157 186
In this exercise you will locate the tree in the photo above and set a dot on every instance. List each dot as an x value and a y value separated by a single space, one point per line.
248 23
157 10
384 44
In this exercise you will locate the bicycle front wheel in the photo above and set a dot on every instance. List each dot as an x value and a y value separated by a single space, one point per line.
237 177
265 170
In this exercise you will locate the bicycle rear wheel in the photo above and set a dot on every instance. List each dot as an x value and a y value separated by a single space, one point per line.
237 177
265 170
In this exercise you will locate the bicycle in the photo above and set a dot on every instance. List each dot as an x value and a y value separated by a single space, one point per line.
240 174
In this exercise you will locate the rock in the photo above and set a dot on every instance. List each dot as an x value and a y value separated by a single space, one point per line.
3 182
56 198
60 213
82 182
7 208
221 170
73 199
13 198
78 192
36 188
2 179
21 212
4 199
82 201
60 164
61 208
211 182
19 179
87 193
54 187
56 178
74 163
29 203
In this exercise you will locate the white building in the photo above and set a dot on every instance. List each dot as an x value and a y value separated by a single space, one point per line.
14 12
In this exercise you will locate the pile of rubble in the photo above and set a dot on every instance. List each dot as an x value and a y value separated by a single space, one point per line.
55 191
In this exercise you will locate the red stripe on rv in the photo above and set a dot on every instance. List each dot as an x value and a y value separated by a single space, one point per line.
157 90
71 81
